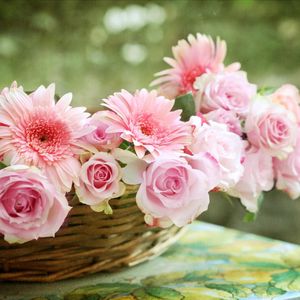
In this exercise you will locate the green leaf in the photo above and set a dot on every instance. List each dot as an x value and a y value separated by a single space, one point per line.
195 277
125 145
2 165
266 90
159 293
250 216
101 290
163 293
263 265
229 288
288 281
272 290
260 200
267 289
187 105
223 287
285 276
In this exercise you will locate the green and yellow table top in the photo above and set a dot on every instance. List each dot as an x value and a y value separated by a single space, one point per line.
208 262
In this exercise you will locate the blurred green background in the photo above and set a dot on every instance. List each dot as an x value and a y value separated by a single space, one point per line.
94 48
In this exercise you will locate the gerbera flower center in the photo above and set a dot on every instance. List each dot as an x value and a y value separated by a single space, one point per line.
146 128
147 125
188 78
46 135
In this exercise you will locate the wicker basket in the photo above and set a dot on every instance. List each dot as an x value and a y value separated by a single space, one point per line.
89 242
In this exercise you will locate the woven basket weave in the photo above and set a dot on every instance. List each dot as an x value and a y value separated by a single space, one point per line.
90 242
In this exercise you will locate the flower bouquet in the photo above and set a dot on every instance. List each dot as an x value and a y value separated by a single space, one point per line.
81 194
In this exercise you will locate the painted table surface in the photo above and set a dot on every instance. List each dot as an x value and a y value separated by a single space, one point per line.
208 262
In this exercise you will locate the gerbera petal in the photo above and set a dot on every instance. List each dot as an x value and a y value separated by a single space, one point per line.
44 96
64 177
64 102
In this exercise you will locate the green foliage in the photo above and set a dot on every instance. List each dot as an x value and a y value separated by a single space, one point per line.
101 290
175 278
250 216
187 104
267 289
285 276
232 289
156 293
263 265
2 165
266 90
129 291
288 280
196 277
126 145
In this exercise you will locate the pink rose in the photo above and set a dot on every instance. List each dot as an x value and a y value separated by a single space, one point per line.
226 117
30 206
175 191
99 137
258 177
99 181
227 90
226 147
271 128
287 172
288 96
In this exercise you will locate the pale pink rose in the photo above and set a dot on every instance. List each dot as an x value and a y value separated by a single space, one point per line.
134 167
100 181
99 138
174 190
196 123
36 130
287 172
271 128
30 206
227 90
226 147
288 96
226 117
207 164
147 120
258 177
192 58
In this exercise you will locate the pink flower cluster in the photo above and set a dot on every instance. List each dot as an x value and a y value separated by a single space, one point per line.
237 140
267 123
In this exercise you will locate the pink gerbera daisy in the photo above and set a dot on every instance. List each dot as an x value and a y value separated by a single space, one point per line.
192 58
146 120
36 131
